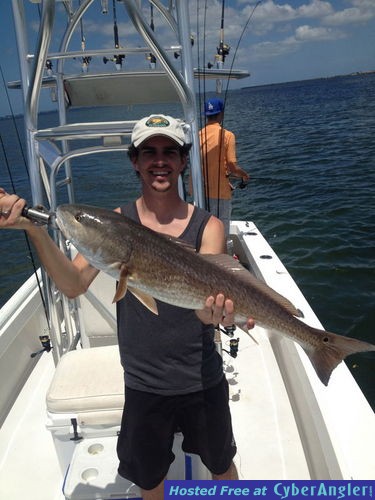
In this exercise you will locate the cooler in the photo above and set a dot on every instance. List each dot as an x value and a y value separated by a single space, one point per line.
85 398
93 470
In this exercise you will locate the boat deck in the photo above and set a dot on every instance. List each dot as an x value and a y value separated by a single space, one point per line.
24 435
267 437
287 424
268 441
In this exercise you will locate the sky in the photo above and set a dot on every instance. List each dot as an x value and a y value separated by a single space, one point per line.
275 40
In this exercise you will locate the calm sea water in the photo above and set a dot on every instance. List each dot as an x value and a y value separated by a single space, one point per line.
310 150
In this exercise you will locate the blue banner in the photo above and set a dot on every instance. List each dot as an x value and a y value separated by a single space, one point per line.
270 490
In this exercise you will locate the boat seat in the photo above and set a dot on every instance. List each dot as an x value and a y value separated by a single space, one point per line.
89 385
85 399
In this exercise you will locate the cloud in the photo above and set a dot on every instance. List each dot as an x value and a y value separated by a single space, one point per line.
311 22
269 13
269 50
302 35
315 9
309 34
364 4
350 16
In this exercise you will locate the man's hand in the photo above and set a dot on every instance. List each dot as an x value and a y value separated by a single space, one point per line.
11 207
220 311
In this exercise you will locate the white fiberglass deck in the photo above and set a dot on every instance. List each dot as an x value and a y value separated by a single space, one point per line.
287 424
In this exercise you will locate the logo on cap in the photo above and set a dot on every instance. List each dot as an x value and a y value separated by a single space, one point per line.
157 121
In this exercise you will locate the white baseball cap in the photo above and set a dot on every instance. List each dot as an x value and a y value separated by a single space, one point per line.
158 125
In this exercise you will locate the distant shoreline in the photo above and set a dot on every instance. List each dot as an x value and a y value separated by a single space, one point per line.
355 73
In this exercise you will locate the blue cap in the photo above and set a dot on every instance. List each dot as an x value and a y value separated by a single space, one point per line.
213 106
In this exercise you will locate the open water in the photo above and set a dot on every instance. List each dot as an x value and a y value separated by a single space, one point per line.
310 150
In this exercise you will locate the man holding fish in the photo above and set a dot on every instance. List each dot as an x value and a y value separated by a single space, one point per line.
173 375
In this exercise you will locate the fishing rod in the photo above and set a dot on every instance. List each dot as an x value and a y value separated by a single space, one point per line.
115 28
205 171
151 57
39 215
225 51
222 50
118 57
15 128
238 45
29 250
85 59
33 214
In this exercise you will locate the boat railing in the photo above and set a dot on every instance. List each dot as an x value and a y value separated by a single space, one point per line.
52 149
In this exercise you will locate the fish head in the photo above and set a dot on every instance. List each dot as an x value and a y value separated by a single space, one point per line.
96 233
79 223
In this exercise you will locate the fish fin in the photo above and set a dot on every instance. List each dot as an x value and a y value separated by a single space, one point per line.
122 284
251 336
147 300
234 266
331 351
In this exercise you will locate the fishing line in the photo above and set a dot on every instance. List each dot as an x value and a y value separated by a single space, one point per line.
14 125
203 125
115 28
237 46
204 131
221 137
33 263
231 67
199 65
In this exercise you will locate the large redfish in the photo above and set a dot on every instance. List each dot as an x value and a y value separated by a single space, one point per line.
153 266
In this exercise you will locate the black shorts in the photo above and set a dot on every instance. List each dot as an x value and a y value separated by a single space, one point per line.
148 425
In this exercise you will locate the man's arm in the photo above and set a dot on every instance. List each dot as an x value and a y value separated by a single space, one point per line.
231 159
236 171
72 278
213 238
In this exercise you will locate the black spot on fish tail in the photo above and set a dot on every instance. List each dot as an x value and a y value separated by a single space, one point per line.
332 350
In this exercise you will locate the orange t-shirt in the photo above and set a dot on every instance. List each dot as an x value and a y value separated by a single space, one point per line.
218 148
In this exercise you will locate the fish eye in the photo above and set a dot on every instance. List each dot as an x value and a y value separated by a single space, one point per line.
79 217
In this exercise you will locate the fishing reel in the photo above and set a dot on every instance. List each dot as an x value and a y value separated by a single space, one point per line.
46 345
228 330
39 215
117 59
233 348
233 343
223 50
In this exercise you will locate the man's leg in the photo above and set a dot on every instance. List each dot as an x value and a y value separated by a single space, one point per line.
144 445
156 493
231 473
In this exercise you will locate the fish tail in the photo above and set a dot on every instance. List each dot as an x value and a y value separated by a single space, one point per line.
331 351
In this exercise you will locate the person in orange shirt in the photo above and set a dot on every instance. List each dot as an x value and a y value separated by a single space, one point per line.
219 161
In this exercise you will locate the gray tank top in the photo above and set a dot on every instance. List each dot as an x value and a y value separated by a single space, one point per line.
173 352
